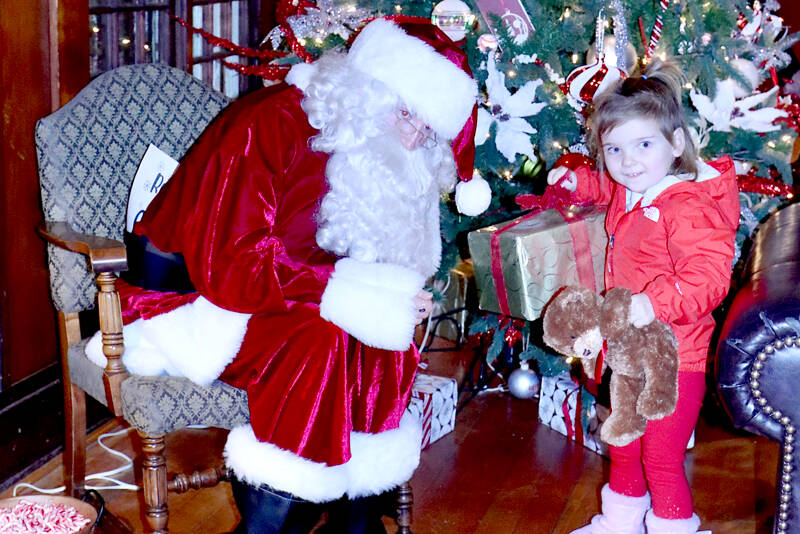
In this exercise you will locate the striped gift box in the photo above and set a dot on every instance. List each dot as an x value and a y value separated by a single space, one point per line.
433 402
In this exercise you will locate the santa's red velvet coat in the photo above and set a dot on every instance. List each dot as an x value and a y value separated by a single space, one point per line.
240 208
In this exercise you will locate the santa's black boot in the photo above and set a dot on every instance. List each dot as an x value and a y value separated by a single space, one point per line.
265 510
357 516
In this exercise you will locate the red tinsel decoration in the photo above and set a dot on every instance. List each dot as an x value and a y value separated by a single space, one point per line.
230 45
270 72
791 105
289 8
283 11
750 183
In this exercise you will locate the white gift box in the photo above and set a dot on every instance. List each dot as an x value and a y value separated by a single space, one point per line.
560 394
433 402
559 409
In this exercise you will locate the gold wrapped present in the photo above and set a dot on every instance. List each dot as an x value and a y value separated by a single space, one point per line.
450 318
520 264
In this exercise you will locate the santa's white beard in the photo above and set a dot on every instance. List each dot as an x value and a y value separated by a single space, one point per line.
383 204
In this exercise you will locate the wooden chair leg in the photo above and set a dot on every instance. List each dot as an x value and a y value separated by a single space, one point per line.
69 332
75 440
405 500
154 482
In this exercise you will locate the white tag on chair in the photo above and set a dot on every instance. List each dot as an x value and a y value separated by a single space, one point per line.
153 172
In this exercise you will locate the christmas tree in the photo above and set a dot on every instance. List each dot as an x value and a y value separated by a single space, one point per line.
539 63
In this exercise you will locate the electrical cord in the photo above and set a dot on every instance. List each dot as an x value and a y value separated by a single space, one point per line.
104 476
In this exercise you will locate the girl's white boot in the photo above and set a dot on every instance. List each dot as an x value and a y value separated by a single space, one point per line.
659 525
621 514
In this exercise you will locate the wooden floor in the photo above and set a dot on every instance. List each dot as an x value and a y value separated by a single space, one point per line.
498 472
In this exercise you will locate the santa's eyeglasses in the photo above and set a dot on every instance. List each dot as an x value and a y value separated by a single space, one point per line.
406 125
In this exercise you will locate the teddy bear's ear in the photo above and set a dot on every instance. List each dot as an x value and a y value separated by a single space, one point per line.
570 307
615 311
570 299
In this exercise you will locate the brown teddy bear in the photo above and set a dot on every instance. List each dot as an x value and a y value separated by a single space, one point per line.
644 361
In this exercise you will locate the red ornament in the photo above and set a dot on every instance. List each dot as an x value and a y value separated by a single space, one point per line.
513 326
585 82
573 160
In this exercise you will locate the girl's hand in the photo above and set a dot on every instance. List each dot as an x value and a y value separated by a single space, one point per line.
641 312
423 305
570 179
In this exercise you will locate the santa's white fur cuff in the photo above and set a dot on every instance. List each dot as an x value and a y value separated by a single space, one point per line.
197 340
373 302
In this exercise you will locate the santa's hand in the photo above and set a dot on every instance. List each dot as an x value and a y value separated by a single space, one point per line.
641 312
563 177
423 305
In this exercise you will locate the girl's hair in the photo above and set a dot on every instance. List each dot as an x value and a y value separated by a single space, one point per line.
655 94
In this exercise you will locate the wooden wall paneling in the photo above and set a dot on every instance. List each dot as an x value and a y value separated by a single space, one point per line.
45 62
27 323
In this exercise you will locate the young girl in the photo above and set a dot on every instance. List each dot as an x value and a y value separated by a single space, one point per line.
671 223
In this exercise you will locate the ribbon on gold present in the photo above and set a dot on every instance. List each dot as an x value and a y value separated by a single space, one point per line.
520 265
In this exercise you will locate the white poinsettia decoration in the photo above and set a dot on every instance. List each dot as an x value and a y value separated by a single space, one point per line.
726 112
507 111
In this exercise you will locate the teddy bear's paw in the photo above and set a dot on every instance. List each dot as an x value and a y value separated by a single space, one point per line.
620 431
653 406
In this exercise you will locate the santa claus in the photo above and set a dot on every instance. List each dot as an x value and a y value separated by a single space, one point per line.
308 218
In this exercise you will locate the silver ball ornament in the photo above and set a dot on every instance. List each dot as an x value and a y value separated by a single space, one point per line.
610 54
523 383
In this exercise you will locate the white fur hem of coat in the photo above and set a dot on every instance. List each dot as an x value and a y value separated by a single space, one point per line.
197 340
373 302
379 462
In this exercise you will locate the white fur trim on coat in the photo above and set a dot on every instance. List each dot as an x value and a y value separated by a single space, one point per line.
374 302
257 462
379 462
432 86
197 340
385 460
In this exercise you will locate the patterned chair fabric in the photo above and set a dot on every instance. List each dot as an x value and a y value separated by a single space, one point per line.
88 153
89 150
161 404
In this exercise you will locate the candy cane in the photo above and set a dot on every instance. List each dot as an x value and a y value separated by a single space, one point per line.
28 517
656 35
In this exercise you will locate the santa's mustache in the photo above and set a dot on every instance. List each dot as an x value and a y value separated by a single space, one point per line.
414 170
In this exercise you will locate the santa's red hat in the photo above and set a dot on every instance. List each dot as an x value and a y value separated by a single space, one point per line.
431 75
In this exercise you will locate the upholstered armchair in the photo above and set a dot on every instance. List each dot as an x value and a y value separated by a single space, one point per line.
88 153
758 365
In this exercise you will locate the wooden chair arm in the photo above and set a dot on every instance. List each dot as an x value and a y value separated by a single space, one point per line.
105 254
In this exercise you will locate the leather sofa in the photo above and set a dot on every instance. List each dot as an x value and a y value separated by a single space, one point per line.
758 353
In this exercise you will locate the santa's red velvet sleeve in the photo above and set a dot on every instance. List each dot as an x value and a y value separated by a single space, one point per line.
240 207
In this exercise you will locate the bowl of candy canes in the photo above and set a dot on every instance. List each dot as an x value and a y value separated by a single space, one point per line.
38 514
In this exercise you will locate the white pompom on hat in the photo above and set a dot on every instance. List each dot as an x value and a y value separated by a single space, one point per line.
431 75
473 196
